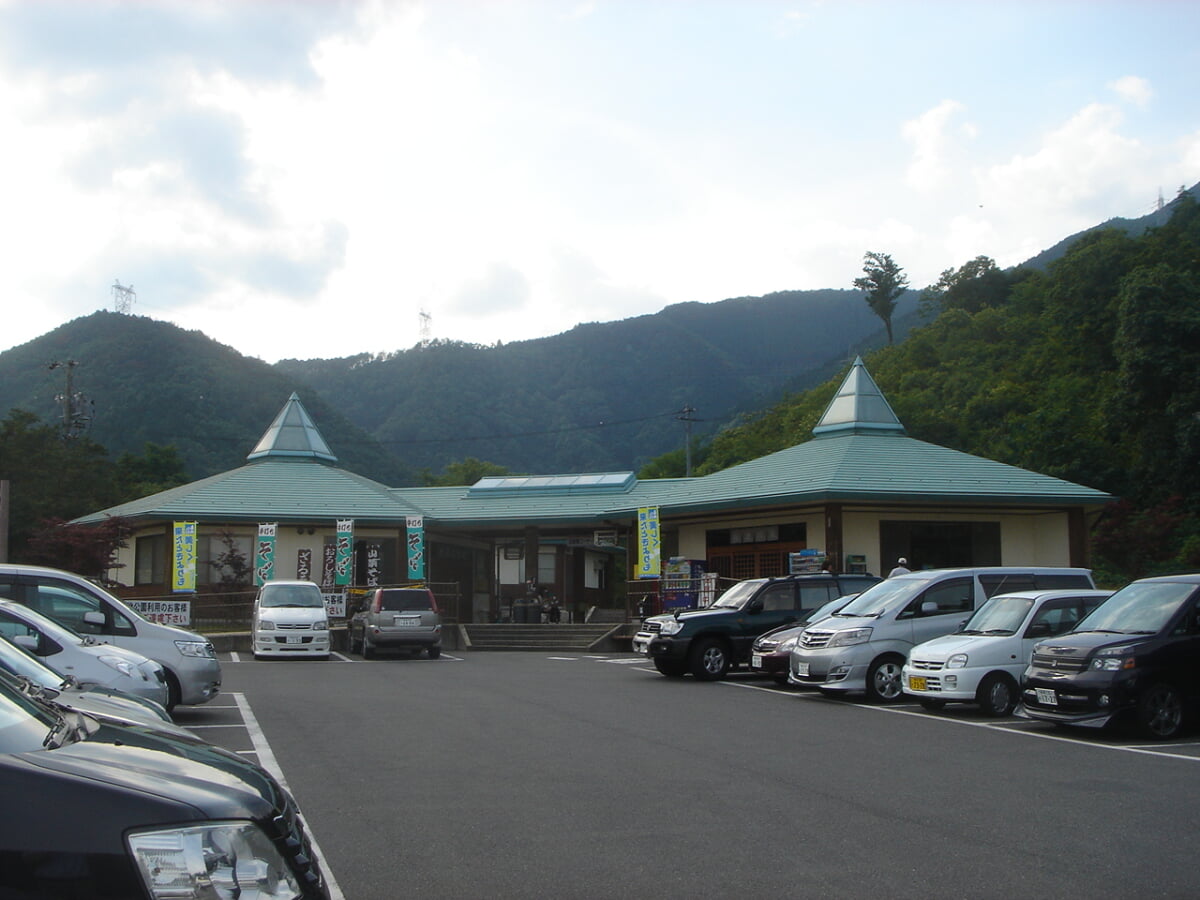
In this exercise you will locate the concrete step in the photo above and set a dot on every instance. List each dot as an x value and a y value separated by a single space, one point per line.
538 637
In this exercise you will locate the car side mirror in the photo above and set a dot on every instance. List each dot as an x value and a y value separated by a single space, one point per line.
929 608
94 617
28 642
755 605
1038 630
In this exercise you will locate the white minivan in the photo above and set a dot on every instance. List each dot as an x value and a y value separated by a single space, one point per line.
191 667
983 662
863 646
290 620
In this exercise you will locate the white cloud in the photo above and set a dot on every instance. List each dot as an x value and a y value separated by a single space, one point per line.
1134 89
931 140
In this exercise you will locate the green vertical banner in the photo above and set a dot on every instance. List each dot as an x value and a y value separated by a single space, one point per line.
649 548
343 559
264 554
416 547
183 579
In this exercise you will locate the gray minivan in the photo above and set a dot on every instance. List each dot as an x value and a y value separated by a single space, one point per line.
863 646
192 670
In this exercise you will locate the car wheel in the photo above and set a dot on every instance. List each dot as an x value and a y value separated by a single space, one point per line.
435 652
174 692
932 705
355 644
883 680
670 668
1160 712
780 678
710 660
997 695
368 650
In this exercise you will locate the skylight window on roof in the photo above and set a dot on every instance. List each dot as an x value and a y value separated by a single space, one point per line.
518 485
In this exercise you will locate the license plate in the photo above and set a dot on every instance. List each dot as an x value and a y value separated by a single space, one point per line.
756 661
802 669
1046 697
295 639
916 682
406 622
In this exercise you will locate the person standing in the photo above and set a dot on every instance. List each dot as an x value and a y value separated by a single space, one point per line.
901 568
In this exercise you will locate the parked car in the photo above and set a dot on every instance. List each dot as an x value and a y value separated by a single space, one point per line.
34 676
1137 656
984 661
396 618
137 810
708 641
290 619
863 647
771 653
189 660
85 659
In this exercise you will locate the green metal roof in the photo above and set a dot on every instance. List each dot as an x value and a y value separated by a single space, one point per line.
269 490
860 453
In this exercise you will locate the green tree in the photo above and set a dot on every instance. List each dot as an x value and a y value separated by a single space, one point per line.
466 471
977 285
883 282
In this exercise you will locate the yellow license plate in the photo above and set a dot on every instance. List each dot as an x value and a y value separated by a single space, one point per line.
916 682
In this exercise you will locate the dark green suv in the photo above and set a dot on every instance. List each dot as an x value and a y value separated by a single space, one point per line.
707 642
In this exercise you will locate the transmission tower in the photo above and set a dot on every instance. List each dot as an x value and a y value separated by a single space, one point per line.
685 416
76 408
123 297
426 327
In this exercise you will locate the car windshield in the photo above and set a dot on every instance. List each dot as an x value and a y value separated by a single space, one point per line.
1000 615
24 724
826 610
21 620
294 595
878 598
738 594
15 660
1138 608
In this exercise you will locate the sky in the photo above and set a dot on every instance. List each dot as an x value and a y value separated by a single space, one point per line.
317 179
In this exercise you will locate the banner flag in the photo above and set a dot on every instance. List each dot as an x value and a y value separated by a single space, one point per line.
183 581
343 561
264 554
649 548
416 547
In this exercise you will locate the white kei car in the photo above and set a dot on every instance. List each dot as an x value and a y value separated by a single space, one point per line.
984 661
88 660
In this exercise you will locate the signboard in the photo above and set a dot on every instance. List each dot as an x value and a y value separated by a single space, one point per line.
335 604
343 560
416 547
806 562
183 558
165 612
649 544
264 554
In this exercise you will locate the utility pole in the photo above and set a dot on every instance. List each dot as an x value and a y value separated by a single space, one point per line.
74 420
685 416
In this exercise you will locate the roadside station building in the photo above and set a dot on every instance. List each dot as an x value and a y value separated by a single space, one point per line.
859 494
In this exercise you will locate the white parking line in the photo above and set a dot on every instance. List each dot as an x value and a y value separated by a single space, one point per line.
266 758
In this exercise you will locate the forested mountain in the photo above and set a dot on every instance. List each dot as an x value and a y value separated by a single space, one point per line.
600 397
143 381
1089 371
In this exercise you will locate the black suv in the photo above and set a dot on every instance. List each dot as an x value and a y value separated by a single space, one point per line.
1136 655
706 642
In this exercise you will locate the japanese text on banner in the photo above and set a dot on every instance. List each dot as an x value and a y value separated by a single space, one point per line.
649 548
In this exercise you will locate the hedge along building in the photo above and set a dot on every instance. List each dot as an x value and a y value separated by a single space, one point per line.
861 492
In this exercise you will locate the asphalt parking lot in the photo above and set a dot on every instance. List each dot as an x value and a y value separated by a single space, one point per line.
568 775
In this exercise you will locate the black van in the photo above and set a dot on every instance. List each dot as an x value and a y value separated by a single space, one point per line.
102 808
1136 655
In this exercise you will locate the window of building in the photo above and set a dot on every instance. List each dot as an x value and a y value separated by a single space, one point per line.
150 563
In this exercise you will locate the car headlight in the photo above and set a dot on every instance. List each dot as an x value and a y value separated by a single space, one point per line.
957 661
222 861
850 636
671 626
122 665
789 645
321 625
201 649
1113 659
266 625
